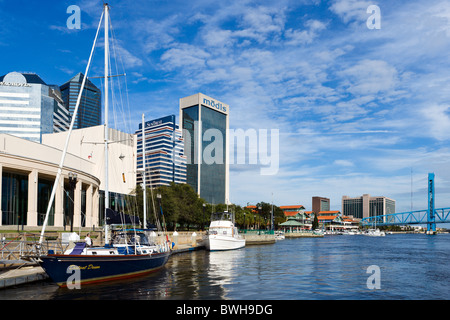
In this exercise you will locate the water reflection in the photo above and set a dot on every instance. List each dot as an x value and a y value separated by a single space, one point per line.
412 267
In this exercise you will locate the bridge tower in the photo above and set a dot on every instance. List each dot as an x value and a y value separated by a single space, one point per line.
431 225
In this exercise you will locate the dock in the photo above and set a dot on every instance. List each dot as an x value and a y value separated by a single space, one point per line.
21 275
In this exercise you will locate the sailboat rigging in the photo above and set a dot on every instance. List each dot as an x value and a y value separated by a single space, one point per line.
129 253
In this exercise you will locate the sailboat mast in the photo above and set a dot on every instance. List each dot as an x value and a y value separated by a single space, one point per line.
144 172
66 145
106 115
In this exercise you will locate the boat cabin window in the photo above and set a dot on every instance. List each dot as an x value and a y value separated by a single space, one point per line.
221 216
131 238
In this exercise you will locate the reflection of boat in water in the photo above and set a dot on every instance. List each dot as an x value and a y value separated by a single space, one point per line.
279 235
129 255
223 234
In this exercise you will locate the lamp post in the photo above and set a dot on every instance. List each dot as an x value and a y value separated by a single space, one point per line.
204 216
158 196
259 218
72 185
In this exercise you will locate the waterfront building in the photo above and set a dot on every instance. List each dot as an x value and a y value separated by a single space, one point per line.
205 122
367 206
29 107
28 170
292 210
164 158
296 221
88 144
89 111
320 204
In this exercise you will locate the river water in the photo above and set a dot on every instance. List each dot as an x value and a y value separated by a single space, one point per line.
399 267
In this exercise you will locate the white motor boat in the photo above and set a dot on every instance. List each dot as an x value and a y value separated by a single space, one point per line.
223 234
279 235
374 233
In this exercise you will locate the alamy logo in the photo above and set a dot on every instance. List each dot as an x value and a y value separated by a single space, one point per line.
74 21
217 105
253 147
73 281
374 21
374 280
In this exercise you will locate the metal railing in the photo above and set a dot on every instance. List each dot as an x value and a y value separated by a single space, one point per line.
29 250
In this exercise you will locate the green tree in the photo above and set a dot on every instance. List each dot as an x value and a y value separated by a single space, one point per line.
315 224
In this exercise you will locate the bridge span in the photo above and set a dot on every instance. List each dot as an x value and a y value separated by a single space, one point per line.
429 216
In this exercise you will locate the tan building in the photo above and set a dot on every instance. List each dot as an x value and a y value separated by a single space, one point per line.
367 206
28 171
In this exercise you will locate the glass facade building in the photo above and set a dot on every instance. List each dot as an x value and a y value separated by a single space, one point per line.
164 153
367 206
90 109
29 107
205 123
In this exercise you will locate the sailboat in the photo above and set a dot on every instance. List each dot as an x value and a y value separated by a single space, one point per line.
130 253
375 232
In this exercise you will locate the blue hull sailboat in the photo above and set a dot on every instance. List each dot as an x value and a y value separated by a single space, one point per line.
129 254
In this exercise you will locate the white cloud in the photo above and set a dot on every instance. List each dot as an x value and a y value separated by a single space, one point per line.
344 163
370 77
185 56
437 119
349 10
300 37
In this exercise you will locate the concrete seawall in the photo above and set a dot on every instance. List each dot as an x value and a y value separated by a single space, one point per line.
256 239
302 235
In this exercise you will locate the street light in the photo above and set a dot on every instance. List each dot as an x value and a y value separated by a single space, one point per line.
72 185
204 216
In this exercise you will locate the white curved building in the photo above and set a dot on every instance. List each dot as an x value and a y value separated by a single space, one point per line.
28 170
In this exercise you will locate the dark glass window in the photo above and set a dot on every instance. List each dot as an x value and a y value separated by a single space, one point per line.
190 117
14 199
212 178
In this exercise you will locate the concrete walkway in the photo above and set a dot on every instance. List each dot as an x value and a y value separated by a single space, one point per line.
21 275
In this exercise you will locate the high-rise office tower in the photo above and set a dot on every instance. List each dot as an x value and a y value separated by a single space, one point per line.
29 107
90 109
204 121
164 148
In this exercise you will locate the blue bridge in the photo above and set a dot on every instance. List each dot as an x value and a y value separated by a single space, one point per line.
430 216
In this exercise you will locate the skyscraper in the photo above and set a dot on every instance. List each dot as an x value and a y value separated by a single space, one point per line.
204 121
90 109
29 107
164 152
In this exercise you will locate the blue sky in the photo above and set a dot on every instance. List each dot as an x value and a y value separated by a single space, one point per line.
359 110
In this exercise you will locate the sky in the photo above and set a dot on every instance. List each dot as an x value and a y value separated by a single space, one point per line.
359 98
